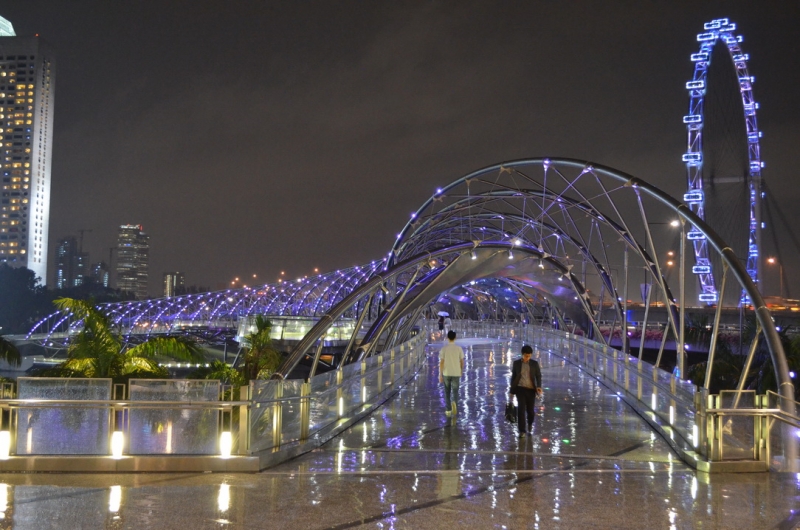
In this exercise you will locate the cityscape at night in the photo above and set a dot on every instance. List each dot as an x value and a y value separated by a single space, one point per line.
337 264
259 138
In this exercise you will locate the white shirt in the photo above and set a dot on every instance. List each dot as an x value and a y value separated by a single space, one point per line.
452 354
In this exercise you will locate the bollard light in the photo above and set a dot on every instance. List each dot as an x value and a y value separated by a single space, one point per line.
117 443
341 406
695 436
653 401
5 444
225 444
671 415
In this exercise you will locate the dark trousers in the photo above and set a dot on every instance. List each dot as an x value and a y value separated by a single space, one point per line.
526 400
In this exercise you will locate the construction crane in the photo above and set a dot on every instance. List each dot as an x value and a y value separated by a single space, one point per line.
81 232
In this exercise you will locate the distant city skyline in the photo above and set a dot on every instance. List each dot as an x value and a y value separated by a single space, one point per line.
259 138
72 265
133 257
174 283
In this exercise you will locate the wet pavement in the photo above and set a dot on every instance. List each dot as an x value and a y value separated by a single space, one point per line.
591 463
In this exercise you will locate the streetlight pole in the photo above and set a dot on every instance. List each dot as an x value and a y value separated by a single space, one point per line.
681 349
773 261
625 342
679 346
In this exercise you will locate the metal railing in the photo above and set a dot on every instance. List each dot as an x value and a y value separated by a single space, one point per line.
274 420
735 430
296 411
267 417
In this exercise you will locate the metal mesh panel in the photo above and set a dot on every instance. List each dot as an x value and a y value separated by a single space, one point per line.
175 430
737 433
323 402
290 411
62 430
261 414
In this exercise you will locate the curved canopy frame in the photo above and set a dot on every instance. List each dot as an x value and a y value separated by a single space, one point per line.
530 224
218 310
594 223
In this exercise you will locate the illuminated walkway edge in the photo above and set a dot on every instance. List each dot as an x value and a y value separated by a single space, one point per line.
277 420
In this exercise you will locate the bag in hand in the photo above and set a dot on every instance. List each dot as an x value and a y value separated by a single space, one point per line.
511 413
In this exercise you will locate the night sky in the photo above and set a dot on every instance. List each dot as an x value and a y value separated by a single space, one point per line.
251 137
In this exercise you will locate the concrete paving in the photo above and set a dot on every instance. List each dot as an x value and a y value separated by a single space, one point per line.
591 463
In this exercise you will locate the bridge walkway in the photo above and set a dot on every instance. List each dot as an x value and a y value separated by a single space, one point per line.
591 463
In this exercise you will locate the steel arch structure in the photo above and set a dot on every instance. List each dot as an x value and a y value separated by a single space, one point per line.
564 236
534 221
218 310
721 31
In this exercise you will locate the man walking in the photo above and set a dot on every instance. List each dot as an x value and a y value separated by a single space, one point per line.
451 366
526 383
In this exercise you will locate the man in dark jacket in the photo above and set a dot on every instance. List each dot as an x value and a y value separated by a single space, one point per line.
526 383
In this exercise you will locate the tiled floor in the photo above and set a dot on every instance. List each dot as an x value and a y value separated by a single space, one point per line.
592 463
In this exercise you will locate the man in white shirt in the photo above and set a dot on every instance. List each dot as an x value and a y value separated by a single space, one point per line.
451 366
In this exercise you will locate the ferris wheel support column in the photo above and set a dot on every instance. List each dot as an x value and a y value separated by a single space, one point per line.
757 185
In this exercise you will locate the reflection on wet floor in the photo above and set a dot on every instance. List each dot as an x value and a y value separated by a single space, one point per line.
592 462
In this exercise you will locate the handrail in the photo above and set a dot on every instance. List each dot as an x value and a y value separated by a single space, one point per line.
33 403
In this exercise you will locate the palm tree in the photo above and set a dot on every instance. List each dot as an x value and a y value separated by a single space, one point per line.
762 373
99 351
261 359
9 352
726 371
217 369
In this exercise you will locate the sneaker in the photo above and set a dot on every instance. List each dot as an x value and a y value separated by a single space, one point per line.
447 413
454 408
521 435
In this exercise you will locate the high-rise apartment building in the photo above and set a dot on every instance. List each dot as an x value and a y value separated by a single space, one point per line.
6 28
99 273
174 282
133 248
71 263
27 87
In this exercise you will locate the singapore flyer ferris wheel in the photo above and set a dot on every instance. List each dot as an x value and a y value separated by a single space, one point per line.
732 159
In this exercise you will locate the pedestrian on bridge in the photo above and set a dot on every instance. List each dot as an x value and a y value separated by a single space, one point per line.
451 366
526 384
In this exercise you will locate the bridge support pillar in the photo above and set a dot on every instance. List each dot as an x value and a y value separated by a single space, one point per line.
639 383
244 422
363 382
380 374
277 416
305 410
339 393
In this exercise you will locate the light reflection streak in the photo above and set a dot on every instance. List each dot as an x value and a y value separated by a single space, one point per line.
224 497
3 500
114 499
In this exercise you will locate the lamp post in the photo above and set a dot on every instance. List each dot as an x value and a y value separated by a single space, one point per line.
680 350
773 261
